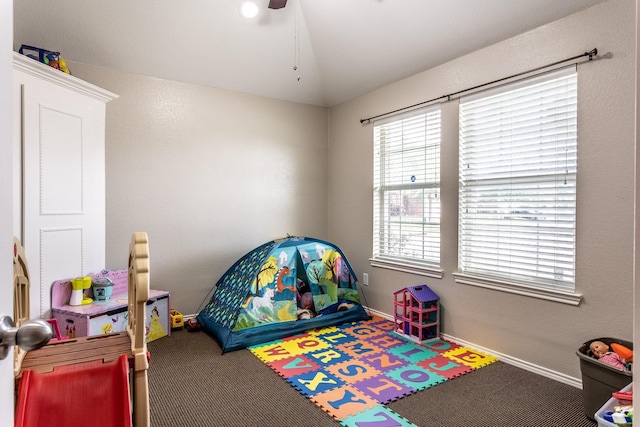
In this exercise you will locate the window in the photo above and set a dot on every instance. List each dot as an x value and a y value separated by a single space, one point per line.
406 194
517 189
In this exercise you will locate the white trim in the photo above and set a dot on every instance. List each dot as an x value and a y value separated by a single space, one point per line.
519 363
519 289
31 66
422 270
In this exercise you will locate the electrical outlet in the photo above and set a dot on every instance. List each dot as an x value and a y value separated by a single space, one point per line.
365 279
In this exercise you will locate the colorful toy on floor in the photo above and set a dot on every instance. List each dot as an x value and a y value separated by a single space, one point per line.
192 325
177 319
621 415
47 57
352 370
78 285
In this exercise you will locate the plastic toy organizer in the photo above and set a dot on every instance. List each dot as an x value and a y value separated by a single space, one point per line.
107 315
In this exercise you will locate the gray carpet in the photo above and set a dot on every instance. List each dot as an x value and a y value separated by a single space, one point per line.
192 384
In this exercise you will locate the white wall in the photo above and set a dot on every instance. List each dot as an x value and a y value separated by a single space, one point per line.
535 331
196 168
208 174
6 196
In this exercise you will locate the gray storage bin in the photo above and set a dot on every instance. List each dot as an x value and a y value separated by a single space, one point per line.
599 379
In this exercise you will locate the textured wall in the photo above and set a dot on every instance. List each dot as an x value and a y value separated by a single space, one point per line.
534 331
194 167
209 174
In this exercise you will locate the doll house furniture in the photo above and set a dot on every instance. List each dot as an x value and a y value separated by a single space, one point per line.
108 315
416 313
95 380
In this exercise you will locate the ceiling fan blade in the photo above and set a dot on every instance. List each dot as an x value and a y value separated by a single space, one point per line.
277 4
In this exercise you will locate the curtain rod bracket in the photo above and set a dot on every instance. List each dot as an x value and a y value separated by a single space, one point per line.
593 52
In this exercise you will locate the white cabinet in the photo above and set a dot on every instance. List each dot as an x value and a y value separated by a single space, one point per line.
59 137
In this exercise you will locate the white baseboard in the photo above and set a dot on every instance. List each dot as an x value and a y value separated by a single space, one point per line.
523 364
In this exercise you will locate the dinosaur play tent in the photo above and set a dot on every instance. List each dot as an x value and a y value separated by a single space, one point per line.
281 288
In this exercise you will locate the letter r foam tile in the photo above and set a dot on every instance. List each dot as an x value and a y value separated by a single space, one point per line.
328 356
378 416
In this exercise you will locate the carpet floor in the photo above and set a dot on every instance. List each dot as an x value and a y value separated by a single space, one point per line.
192 383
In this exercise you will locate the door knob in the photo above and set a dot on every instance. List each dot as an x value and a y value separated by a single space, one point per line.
31 335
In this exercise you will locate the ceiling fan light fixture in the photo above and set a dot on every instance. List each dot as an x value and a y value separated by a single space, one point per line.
249 9
277 4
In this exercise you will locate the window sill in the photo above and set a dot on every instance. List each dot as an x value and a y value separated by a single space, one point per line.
546 294
407 267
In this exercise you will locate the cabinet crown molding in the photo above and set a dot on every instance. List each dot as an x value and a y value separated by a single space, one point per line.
31 66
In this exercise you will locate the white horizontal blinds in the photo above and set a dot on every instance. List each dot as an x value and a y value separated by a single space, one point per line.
407 187
518 161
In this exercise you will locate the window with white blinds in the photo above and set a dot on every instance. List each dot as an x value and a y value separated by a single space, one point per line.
406 194
517 189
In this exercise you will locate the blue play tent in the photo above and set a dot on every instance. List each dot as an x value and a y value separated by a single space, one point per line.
281 288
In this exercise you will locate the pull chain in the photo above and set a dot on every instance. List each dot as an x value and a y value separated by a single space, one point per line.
296 40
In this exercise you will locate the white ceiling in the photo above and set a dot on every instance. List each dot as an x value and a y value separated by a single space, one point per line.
344 48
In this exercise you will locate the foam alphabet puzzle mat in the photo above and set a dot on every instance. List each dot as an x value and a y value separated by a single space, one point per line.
351 371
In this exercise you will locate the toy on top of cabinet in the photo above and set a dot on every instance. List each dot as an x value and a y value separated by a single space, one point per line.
45 56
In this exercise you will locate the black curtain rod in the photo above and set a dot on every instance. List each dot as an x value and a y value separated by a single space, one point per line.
593 52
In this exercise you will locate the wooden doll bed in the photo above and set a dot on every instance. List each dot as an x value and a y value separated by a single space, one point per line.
85 352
